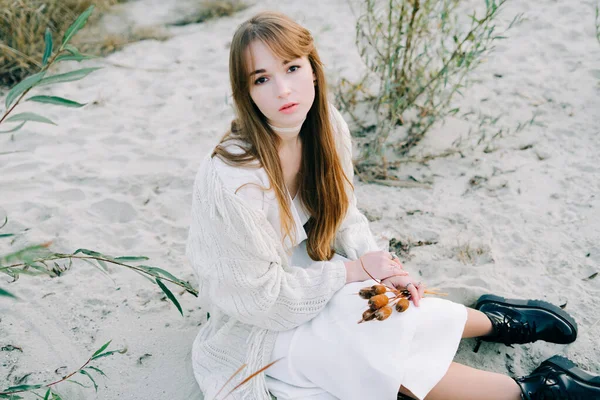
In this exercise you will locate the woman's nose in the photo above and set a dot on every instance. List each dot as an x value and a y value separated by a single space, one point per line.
282 87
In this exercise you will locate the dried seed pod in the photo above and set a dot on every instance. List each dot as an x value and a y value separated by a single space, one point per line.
402 305
366 293
368 315
376 302
378 289
383 313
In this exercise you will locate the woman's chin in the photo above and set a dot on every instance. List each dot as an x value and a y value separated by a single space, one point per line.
289 121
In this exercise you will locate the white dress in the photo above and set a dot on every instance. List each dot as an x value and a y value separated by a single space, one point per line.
333 357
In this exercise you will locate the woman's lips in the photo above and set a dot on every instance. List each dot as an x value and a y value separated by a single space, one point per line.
290 109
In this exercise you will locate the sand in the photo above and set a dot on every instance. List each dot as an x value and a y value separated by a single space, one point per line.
116 176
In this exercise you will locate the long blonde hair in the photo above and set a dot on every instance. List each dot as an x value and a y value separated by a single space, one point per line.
322 189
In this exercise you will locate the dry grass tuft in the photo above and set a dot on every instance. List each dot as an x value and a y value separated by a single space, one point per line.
211 9
22 27
474 255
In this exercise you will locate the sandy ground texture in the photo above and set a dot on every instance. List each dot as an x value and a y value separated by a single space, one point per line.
521 219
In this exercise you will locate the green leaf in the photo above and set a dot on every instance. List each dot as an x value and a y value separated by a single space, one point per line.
90 253
72 49
3 235
48 49
169 295
89 376
22 86
7 294
145 276
29 272
59 101
39 268
19 388
108 353
77 383
47 395
98 370
23 253
68 77
131 258
155 271
29 116
56 397
11 397
97 266
101 349
103 265
71 57
15 129
77 25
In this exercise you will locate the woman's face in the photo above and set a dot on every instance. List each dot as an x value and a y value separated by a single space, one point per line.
277 83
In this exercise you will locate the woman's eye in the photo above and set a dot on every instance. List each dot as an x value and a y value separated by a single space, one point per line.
260 80
295 67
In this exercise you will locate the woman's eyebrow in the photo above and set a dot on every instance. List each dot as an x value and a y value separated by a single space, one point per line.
262 70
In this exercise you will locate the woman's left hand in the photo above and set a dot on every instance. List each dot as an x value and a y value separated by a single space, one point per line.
416 289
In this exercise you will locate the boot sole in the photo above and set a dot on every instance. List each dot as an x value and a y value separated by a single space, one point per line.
572 369
538 304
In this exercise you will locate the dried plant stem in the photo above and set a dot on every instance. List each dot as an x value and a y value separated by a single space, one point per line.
251 376
17 52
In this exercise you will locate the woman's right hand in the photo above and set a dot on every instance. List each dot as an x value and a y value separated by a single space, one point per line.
378 263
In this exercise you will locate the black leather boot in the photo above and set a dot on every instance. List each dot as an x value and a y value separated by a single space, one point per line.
525 321
559 379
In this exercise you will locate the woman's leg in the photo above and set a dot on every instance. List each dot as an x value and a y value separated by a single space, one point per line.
466 383
478 324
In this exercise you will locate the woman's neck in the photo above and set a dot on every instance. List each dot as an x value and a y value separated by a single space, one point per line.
289 136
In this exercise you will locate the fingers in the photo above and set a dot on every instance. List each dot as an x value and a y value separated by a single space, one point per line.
421 289
414 293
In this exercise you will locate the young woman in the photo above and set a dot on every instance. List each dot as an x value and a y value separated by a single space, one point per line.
280 251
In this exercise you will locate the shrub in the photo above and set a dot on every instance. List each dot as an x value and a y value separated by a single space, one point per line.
418 56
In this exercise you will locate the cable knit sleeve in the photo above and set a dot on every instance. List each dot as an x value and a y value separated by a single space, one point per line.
354 237
242 268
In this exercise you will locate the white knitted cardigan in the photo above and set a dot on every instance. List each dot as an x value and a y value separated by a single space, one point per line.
246 282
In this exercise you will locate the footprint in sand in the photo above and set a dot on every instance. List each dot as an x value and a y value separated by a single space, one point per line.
114 211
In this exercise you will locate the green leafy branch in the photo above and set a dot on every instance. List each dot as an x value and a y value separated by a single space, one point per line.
65 52
38 260
30 264
11 392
